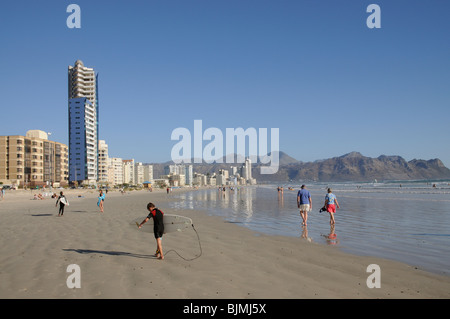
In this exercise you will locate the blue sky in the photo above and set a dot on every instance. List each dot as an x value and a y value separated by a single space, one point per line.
313 69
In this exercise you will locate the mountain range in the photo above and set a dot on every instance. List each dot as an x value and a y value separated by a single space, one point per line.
356 167
349 167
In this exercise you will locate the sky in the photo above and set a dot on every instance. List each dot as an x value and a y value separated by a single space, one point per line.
311 68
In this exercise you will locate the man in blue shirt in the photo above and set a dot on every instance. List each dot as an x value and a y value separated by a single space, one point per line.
304 203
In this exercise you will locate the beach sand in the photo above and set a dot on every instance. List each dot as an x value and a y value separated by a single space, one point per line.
115 259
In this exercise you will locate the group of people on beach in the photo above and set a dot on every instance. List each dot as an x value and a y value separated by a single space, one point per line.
304 203
62 200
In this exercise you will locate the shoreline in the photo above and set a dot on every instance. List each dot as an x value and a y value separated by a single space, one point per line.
319 231
236 262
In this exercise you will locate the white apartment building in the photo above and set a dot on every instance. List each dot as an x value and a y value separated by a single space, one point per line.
115 168
148 173
83 82
183 170
139 173
128 172
103 173
222 177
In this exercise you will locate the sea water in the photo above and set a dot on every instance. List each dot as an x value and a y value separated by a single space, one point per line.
404 221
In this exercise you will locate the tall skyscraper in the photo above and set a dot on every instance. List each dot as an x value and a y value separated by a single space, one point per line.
83 82
247 169
246 172
189 175
83 124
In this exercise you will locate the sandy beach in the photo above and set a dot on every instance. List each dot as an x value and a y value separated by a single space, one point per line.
115 259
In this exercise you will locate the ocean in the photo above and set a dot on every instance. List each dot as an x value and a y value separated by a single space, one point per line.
403 221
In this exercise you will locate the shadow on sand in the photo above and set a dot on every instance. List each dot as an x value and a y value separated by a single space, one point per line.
110 253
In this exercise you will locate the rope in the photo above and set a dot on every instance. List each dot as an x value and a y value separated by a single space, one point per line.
199 243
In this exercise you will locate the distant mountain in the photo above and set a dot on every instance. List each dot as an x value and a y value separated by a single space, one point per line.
349 167
356 167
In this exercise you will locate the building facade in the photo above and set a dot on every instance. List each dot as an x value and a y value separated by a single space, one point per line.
33 160
115 171
128 172
103 176
83 142
83 124
83 82
148 173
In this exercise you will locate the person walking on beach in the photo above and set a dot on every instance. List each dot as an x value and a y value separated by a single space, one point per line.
158 227
304 203
101 198
331 203
62 203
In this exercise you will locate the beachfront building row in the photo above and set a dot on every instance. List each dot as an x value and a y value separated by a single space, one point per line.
120 171
181 175
33 160
239 175
221 179
112 171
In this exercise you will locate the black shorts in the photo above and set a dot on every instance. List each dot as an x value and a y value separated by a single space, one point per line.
158 232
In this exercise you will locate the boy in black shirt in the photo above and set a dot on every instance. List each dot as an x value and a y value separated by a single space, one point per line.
158 228
62 203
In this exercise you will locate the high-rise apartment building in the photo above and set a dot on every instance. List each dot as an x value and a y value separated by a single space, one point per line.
83 82
139 173
148 173
128 171
189 175
83 124
83 146
246 171
33 160
116 171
